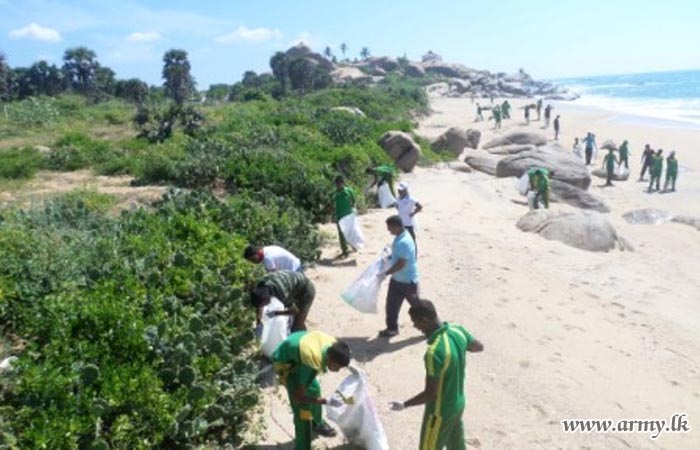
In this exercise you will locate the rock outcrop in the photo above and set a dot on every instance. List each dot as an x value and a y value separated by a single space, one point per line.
566 193
561 165
452 141
516 138
473 138
482 162
401 149
586 230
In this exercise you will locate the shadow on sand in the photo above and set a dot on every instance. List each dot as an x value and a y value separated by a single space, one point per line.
337 262
365 349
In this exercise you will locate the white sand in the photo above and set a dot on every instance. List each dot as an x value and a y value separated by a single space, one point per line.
568 333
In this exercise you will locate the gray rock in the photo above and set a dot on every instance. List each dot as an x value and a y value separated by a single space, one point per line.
349 109
414 69
562 165
482 162
460 86
301 50
459 166
566 193
687 220
511 149
448 69
473 138
386 63
517 137
401 148
586 230
647 216
602 173
438 89
451 141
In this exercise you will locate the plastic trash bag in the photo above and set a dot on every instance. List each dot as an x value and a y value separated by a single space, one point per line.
350 227
357 418
622 171
274 329
523 184
531 199
386 199
363 293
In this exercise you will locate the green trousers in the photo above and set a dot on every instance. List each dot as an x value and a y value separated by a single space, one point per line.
305 415
343 242
439 432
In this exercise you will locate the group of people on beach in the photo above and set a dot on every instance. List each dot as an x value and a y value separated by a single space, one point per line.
305 354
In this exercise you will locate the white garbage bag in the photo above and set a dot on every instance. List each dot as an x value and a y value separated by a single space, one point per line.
622 171
275 329
363 293
350 227
523 184
357 418
386 199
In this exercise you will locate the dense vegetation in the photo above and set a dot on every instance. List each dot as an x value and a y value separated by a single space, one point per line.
136 328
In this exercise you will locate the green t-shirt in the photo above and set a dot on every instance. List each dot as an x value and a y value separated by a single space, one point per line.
657 163
610 161
671 166
289 287
624 151
302 356
445 361
344 202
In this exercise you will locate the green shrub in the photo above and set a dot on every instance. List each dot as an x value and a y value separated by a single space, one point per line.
32 112
75 150
20 163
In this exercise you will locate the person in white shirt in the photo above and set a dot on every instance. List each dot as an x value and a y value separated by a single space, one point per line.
408 207
273 257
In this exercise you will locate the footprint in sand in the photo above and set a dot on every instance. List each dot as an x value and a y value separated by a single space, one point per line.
538 410
524 364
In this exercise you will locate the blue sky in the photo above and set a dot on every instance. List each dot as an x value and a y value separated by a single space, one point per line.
549 39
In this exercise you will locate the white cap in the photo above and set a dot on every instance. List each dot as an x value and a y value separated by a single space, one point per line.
403 186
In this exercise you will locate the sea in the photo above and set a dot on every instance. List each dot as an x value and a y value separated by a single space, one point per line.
670 97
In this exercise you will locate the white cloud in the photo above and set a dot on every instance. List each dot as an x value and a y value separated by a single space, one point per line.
37 32
143 36
245 34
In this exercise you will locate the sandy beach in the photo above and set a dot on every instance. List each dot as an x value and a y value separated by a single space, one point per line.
568 334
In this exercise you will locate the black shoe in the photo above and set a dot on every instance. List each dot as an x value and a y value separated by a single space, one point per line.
388 333
325 430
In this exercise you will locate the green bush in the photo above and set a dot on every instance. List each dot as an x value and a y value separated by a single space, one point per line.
32 112
20 163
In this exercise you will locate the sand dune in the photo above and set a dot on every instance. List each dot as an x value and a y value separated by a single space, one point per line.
568 333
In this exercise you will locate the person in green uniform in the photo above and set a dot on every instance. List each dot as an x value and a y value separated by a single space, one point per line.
297 361
624 154
671 171
657 166
344 198
479 113
384 173
505 108
497 116
609 163
539 182
293 289
445 364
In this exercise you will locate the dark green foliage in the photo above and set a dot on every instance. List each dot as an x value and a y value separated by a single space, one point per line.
75 151
157 123
344 128
80 68
5 78
18 163
133 90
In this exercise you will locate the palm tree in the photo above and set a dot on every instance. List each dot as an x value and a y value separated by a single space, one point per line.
328 53
343 48
364 53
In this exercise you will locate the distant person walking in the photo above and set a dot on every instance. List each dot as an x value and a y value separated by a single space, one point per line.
445 374
624 154
408 207
539 108
657 167
344 199
527 114
609 163
671 172
647 159
497 116
589 143
479 113
505 108
556 128
576 149
403 269
273 257
547 114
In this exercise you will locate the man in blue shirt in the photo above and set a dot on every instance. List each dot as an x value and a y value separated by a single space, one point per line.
404 275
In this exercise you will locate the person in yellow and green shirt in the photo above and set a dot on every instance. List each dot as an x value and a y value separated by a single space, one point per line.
344 201
298 360
445 367
539 182
657 166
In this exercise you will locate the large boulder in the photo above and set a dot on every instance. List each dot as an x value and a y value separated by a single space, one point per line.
566 193
586 230
452 141
414 69
647 216
386 63
617 176
401 148
301 50
688 220
517 137
482 162
561 164
473 138
438 89
349 74
459 86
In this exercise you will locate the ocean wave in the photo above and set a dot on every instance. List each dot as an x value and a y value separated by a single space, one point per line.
677 110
